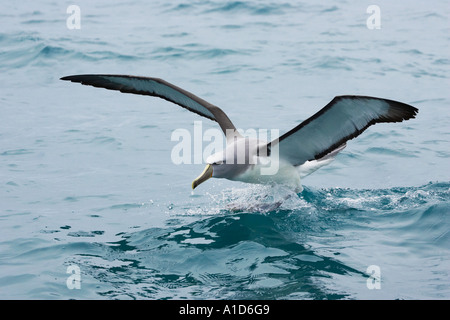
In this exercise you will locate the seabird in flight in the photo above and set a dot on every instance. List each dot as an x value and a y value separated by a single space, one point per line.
286 160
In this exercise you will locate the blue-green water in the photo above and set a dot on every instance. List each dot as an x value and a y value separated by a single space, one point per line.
87 180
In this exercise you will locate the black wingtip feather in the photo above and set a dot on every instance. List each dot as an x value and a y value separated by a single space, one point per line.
398 112
395 112
401 111
76 78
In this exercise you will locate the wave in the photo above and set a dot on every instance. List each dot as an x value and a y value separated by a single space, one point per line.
268 199
234 7
249 7
258 243
192 52
302 248
22 49
29 49
242 256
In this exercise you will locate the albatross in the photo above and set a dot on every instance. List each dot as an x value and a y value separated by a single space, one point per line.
297 153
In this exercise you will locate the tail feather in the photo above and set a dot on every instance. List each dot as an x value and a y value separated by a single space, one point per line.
309 167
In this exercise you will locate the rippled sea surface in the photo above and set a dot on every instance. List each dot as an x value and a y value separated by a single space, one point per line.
87 179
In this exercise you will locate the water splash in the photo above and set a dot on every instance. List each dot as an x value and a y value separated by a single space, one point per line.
249 199
268 199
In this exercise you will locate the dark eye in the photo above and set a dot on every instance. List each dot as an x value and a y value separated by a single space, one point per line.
218 162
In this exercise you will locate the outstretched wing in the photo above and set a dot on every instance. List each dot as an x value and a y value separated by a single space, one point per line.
157 88
344 118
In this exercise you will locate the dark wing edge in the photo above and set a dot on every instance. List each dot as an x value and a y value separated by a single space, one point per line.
397 112
112 82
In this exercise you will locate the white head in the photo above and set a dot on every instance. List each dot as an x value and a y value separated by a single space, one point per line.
237 158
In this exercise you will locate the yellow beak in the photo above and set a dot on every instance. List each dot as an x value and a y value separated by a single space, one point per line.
205 175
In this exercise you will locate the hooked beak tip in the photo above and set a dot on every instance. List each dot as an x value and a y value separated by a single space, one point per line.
205 175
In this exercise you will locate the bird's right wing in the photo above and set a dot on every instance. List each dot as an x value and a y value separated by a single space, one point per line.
158 88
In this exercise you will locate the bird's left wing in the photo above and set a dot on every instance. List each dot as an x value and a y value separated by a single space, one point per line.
344 118
157 88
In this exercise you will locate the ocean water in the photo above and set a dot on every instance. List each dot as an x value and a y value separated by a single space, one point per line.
93 207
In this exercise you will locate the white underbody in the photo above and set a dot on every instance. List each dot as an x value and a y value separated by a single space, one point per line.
287 174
